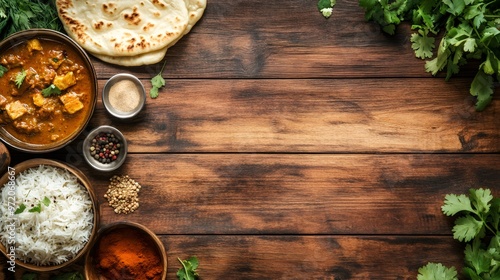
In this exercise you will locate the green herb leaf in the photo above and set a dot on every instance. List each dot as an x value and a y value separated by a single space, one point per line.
453 204
20 78
482 88
3 70
157 82
422 44
68 276
46 201
188 270
325 7
466 228
51 90
37 208
437 271
468 26
20 209
29 276
477 258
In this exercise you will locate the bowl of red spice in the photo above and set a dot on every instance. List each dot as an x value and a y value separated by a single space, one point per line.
126 250
105 148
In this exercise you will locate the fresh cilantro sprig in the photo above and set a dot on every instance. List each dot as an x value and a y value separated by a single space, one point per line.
37 208
51 90
3 70
477 224
437 271
325 7
470 31
188 270
20 78
157 82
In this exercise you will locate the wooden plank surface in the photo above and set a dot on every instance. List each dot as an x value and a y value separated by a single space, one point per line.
287 146
311 115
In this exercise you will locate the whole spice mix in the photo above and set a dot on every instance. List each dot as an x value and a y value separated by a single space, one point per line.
105 147
126 254
123 194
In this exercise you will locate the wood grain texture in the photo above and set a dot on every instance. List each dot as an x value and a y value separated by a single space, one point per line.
291 257
314 116
296 193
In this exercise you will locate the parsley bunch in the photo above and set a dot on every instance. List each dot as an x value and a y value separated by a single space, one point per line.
478 226
470 31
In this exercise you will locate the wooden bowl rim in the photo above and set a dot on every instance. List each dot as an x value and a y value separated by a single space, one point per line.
22 166
88 266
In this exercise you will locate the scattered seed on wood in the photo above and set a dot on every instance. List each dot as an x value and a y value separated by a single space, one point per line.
123 194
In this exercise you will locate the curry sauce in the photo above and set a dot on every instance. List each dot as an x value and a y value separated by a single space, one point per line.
45 91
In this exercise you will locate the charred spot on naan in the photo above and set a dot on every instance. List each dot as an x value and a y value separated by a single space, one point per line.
134 18
109 8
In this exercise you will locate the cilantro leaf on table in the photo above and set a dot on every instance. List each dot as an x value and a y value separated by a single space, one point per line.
482 88
477 258
422 44
157 82
188 270
325 7
466 228
470 31
436 271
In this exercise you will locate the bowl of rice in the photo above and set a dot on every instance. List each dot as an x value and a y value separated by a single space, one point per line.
49 215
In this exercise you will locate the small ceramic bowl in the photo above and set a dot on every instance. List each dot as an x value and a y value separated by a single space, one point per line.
124 96
83 180
92 270
91 159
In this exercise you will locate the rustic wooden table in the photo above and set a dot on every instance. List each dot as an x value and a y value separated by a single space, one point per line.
288 146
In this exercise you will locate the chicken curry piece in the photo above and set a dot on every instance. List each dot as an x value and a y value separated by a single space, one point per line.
45 91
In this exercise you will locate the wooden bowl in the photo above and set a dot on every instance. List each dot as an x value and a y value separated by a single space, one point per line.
4 158
25 165
91 268
55 36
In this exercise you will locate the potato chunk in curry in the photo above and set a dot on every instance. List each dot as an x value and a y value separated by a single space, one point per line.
15 109
72 103
34 45
65 81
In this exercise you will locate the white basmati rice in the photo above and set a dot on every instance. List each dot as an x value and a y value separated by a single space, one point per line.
61 229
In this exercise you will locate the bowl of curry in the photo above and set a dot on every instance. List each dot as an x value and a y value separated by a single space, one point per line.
49 90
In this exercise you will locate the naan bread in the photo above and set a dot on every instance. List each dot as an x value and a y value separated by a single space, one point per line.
195 10
123 27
